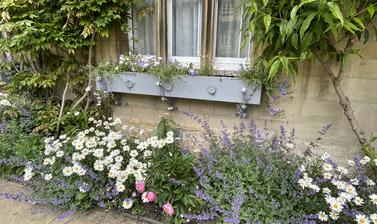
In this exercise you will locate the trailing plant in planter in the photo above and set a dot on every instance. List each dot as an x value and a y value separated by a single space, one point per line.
291 32
166 70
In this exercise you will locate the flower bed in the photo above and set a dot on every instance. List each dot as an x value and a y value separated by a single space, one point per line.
245 175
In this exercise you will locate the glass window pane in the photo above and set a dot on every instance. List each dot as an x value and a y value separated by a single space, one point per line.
144 30
228 37
186 28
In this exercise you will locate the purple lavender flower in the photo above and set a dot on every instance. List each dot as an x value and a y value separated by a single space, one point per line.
175 181
141 64
236 206
101 204
66 214
273 110
283 88
199 217
192 72
2 127
226 139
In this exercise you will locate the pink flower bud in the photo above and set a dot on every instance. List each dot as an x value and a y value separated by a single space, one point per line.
168 209
151 196
140 186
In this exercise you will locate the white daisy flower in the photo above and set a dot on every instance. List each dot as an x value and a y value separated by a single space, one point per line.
323 217
48 176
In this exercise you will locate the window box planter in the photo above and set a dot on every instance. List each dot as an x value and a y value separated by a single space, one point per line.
212 88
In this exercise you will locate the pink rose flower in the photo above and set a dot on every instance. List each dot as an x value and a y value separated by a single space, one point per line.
151 196
168 209
140 186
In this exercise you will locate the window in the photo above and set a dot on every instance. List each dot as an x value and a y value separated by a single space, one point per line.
227 9
230 47
184 30
143 30
175 32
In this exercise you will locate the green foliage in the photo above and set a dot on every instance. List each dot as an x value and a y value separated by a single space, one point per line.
369 149
264 179
48 40
290 32
17 146
36 25
167 71
44 117
207 70
164 70
164 126
171 175
173 179
334 190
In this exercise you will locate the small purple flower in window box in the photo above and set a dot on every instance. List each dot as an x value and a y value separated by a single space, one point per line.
192 72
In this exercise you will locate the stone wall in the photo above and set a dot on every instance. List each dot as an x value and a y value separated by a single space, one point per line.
311 105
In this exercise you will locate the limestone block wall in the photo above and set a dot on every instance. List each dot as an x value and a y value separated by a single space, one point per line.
311 105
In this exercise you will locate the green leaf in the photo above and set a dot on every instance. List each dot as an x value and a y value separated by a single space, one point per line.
294 41
371 10
285 62
375 31
294 11
359 22
335 10
306 2
305 25
265 2
274 69
267 22
306 41
351 27
366 36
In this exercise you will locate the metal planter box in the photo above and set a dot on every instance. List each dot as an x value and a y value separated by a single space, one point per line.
213 88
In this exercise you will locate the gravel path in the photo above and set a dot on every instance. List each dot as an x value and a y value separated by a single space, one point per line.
16 212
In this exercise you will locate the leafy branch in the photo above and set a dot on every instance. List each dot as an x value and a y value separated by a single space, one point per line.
291 32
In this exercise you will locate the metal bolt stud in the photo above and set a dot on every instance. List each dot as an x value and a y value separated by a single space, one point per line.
211 90
130 84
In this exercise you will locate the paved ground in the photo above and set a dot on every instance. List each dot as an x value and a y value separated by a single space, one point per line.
15 212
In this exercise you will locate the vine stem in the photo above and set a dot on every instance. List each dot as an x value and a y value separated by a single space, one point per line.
62 107
343 99
89 73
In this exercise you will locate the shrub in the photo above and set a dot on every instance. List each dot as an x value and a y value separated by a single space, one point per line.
172 176
96 166
17 147
248 177
339 194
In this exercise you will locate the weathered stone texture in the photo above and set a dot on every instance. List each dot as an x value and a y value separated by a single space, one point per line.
311 105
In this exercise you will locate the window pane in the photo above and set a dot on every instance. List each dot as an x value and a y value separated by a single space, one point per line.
186 28
228 37
144 30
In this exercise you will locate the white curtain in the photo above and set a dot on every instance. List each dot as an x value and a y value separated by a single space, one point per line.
186 28
144 32
228 37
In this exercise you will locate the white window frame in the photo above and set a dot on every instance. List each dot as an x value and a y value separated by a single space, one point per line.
228 63
195 61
